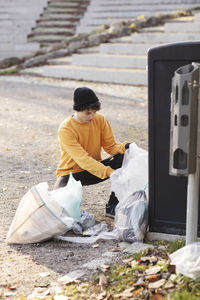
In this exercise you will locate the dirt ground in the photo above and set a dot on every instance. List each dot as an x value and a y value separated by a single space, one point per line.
30 113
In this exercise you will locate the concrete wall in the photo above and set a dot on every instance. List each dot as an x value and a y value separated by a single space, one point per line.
17 17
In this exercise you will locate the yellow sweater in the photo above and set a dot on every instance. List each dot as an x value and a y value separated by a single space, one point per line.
81 145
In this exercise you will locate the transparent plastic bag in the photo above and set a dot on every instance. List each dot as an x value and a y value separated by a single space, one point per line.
41 215
87 221
69 197
133 175
131 217
187 260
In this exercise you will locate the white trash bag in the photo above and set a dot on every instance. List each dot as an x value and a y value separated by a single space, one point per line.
129 183
133 175
187 260
42 214
131 218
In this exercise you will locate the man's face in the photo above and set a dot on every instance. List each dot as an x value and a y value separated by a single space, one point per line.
85 116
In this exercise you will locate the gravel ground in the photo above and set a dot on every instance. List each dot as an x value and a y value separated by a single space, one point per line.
31 110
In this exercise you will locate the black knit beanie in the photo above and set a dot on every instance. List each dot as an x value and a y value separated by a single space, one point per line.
83 98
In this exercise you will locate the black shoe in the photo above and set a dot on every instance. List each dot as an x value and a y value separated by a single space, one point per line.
110 210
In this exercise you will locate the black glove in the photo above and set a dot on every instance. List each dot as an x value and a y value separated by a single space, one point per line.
127 146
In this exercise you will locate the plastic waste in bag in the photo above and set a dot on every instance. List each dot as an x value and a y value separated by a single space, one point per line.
129 183
104 234
40 216
69 197
133 175
131 218
96 229
86 221
187 260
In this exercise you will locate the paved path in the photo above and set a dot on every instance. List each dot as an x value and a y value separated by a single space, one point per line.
31 110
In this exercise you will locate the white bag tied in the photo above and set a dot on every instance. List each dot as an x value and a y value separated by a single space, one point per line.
187 260
41 216
129 184
133 175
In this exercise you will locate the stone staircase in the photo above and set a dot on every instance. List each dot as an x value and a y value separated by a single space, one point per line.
58 21
107 11
122 60
16 21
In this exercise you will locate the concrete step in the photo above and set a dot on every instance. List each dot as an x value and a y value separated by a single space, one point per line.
61 10
197 17
52 31
165 37
122 48
47 38
75 2
29 47
67 17
60 61
52 23
63 4
110 61
126 7
180 27
155 29
118 76
118 2
89 50
186 20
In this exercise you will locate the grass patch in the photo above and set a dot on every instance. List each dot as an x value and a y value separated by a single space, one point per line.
133 279
9 71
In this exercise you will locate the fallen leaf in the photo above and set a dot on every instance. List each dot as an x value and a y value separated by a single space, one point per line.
138 291
153 270
44 274
5 189
103 267
95 246
102 296
156 284
8 149
21 186
60 297
116 250
103 280
153 277
157 297
22 298
140 282
8 294
128 260
128 293
162 262
134 263
151 259
11 287
173 277
169 285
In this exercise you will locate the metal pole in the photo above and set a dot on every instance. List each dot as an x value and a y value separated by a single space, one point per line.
193 194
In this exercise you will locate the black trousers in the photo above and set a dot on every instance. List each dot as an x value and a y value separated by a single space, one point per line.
86 178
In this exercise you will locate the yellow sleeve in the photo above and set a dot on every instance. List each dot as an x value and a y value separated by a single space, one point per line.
69 143
108 141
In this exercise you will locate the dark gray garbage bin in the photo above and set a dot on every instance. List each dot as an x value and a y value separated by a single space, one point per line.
167 194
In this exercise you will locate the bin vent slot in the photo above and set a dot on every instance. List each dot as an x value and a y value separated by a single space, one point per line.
180 159
175 120
185 94
176 94
184 120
